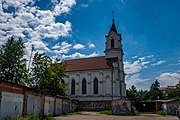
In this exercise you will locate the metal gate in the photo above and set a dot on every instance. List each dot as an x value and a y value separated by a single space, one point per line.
11 105
33 104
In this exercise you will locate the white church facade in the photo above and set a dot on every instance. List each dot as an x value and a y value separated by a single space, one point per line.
99 78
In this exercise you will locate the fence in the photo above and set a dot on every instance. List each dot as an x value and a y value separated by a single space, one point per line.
20 100
171 107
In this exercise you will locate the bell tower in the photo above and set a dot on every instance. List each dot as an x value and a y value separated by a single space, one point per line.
114 57
113 43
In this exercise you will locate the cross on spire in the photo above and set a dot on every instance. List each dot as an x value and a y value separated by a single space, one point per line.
113 16
113 27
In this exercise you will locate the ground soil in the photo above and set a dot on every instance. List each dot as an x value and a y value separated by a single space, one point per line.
96 116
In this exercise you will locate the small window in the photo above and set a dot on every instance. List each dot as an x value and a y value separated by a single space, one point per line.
73 87
112 43
95 86
84 86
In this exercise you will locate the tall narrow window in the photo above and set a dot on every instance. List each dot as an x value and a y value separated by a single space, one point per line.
112 43
84 86
73 87
95 86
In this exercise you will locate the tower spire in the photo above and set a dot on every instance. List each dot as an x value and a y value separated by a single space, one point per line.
113 27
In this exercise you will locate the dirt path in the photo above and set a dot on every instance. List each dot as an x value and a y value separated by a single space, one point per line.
96 116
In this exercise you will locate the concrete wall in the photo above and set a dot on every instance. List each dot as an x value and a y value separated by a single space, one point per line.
104 85
95 105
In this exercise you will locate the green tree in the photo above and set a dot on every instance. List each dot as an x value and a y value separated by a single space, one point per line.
48 76
142 95
137 95
132 93
12 64
172 93
40 64
154 92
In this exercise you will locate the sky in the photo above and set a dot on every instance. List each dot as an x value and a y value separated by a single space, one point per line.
69 29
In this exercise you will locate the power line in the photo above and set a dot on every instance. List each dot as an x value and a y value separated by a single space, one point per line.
153 24
159 21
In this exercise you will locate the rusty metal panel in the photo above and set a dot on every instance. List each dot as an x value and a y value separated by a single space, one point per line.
49 106
58 106
33 104
11 105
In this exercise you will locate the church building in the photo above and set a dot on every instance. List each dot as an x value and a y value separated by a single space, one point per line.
101 78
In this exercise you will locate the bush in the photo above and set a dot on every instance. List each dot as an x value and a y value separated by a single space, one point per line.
134 111
161 113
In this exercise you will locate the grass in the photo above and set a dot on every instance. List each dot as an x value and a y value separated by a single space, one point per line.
161 113
30 117
134 112
106 112
72 113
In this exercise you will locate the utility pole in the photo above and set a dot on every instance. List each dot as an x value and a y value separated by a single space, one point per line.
32 49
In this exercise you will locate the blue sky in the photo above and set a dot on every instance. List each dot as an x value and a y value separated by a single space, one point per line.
70 29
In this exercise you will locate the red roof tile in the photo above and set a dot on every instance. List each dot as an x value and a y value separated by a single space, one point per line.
83 64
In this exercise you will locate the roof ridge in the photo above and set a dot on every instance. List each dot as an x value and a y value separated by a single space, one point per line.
85 58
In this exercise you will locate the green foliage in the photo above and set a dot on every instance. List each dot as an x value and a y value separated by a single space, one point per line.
12 63
135 95
172 94
132 93
134 112
48 76
106 112
154 92
162 113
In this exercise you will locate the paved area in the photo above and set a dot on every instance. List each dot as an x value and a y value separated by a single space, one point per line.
95 116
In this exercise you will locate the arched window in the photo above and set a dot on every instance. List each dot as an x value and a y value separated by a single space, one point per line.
95 86
112 43
108 85
73 87
84 86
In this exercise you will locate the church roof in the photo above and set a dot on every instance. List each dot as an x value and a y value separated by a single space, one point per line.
83 64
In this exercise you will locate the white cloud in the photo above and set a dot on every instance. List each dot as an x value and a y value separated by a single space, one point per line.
134 56
91 45
133 69
168 79
63 6
79 55
78 46
135 80
33 24
158 63
62 48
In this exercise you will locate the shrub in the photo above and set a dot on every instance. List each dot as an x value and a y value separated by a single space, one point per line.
134 111
161 113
